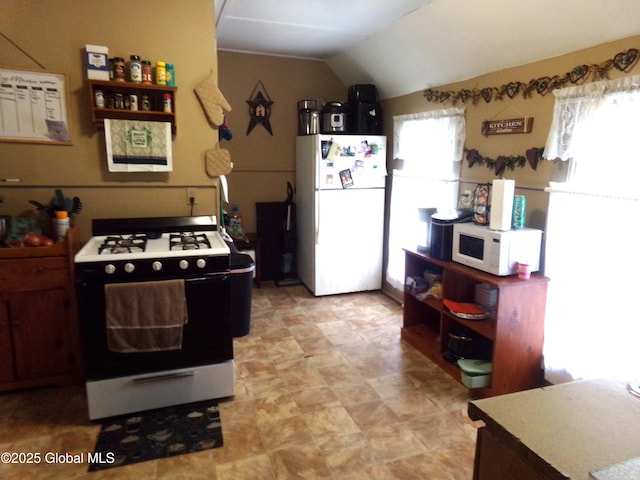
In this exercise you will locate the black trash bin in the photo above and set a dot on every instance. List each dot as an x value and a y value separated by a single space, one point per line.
241 269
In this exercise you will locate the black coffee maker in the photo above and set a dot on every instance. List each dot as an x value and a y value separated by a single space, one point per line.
365 113
441 231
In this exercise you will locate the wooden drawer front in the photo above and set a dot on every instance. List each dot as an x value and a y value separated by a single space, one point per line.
34 274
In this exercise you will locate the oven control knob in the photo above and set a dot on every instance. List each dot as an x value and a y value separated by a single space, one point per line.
129 267
109 268
201 263
183 264
157 266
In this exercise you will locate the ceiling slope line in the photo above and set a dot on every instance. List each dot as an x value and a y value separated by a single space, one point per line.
350 31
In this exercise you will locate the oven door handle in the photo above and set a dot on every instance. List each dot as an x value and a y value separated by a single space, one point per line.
164 376
216 277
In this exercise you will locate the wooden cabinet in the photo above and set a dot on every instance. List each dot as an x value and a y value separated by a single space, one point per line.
579 430
512 338
39 341
154 93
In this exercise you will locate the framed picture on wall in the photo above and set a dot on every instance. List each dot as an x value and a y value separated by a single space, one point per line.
34 106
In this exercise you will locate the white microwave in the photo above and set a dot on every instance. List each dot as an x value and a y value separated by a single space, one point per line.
494 251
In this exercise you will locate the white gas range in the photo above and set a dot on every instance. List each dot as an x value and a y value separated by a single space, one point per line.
133 253
133 248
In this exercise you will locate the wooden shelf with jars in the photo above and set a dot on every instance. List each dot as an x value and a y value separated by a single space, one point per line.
154 93
513 336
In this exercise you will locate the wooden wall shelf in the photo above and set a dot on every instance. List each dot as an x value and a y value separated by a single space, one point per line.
154 92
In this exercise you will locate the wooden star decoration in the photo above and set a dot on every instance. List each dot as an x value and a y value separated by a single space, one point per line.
260 109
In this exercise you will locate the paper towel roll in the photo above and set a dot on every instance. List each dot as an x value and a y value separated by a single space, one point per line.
501 204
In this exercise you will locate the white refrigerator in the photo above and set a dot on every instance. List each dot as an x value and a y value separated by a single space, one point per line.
340 190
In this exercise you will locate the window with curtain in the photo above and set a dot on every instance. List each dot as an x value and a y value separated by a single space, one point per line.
592 326
427 149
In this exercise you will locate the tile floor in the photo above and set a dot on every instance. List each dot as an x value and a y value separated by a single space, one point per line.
325 390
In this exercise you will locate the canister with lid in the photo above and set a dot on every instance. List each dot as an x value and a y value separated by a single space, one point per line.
135 69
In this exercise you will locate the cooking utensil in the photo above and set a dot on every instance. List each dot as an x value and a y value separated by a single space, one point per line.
60 202
43 208
4 227
77 205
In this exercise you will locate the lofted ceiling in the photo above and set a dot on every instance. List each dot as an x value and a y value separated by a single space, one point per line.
404 46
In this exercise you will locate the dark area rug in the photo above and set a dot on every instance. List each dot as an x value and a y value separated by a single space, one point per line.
154 434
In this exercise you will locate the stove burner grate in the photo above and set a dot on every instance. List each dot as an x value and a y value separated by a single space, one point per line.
188 241
121 244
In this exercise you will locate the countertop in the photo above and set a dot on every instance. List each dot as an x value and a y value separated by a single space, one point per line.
572 429
57 249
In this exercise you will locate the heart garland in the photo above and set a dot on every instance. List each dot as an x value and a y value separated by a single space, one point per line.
501 163
623 61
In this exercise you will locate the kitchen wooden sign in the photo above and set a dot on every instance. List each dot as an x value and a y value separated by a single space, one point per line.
511 125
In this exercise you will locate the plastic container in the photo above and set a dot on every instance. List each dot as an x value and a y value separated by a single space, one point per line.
475 373
61 224
241 270
171 75
235 221
161 73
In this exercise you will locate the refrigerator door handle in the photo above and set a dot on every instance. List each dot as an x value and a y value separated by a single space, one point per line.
317 218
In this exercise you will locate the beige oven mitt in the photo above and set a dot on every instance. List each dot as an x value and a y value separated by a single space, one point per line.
218 162
212 100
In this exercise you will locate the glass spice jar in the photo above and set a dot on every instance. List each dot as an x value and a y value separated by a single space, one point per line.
167 102
146 71
99 94
135 69
119 101
118 69
146 103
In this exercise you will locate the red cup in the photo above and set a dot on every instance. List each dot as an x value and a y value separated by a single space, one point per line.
524 271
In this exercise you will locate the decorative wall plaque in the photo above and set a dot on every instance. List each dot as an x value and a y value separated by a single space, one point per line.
511 125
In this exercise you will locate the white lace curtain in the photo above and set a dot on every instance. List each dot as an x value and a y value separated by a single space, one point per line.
428 147
592 326
595 127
